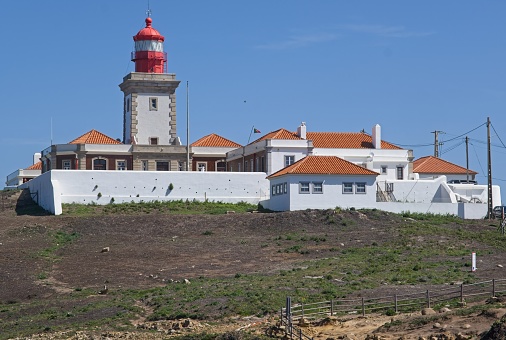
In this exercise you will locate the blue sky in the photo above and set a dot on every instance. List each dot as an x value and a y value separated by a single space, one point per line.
411 66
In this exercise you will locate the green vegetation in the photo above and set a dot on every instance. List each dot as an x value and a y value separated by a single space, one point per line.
414 255
165 207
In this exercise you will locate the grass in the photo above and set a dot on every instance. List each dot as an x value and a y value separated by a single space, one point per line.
165 207
414 256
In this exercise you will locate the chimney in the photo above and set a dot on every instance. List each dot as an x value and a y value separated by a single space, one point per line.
301 130
36 157
376 136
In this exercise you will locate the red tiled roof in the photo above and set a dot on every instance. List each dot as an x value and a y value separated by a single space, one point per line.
346 140
332 140
434 165
278 134
36 166
214 140
94 137
323 165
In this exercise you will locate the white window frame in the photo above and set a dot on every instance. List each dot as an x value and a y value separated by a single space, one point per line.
359 186
216 165
304 187
99 158
347 187
118 165
153 103
289 160
151 140
66 161
202 166
285 187
273 190
144 165
317 187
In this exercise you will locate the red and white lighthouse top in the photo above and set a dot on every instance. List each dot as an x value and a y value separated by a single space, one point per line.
148 32
149 55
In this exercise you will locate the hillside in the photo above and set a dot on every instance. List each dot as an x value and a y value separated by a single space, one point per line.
232 270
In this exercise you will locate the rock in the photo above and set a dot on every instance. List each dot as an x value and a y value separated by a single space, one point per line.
500 265
428 311
186 323
444 310
105 250
187 281
466 326
436 325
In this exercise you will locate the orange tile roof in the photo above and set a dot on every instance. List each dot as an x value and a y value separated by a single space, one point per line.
36 166
346 140
214 140
323 165
94 137
434 165
332 140
278 134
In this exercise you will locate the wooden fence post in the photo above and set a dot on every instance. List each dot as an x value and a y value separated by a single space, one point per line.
331 307
395 301
462 293
428 299
302 310
300 334
363 307
493 288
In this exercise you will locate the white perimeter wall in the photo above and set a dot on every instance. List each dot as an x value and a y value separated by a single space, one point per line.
462 210
86 186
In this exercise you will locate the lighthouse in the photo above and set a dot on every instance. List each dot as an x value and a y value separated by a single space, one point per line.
149 113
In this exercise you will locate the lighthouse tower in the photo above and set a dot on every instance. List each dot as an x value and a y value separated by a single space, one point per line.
149 114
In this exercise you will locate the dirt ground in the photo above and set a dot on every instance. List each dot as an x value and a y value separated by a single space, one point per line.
149 250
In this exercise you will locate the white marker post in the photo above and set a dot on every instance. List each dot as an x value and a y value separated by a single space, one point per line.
473 262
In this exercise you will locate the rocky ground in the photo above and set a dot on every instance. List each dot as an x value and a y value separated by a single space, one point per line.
143 251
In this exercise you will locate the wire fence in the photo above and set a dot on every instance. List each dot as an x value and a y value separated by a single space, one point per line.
293 313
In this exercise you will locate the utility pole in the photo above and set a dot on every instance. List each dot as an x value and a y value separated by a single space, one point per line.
467 159
490 205
436 142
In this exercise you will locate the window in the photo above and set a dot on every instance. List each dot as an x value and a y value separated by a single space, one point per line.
317 187
201 166
289 160
99 164
66 164
257 167
121 165
400 172
144 165
273 190
383 169
180 166
153 140
221 166
347 188
284 186
360 188
251 167
262 165
246 166
153 104
162 166
304 188
239 167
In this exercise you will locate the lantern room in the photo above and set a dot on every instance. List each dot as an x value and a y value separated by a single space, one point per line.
149 56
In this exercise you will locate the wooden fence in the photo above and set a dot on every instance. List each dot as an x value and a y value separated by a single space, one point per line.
293 312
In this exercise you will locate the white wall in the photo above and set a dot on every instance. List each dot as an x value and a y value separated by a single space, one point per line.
462 210
331 197
84 186
153 123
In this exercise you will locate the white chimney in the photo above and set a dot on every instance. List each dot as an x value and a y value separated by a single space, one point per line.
36 157
301 130
376 136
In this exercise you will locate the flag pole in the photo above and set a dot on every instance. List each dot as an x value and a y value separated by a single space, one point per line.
252 128
187 128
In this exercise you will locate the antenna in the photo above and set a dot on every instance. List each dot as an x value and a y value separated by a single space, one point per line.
148 12
51 131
